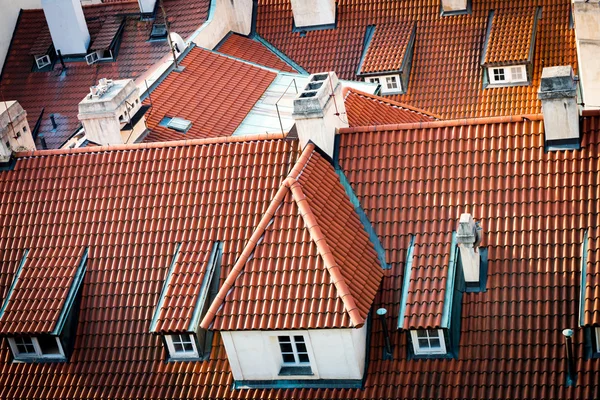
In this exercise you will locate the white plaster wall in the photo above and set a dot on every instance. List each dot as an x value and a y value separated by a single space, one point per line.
334 353
587 33
561 119
229 15
9 13
313 12
454 5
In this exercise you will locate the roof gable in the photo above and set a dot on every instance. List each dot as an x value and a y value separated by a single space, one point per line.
387 48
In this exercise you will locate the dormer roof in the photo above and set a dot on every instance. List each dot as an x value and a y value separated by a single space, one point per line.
387 48
107 34
309 263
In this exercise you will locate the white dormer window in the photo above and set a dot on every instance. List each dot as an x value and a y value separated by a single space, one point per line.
428 341
390 84
181 346
507 75
293 350
43 61
31 347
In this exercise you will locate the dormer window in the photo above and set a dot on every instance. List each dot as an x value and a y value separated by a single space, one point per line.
177 124
428 341
28 348
182 346
43 51
503 75
294 354
43 61
159 32
105 45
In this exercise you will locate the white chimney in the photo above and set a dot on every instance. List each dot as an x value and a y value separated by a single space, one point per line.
586 17
67 25
309 13
111 106
454 6
558 93
468 238
147 6
319 110
15 134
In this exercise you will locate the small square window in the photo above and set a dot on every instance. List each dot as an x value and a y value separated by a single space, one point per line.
26 348
293 350
25 345
428 341
181 346
159 32
374 80
391 82
499 75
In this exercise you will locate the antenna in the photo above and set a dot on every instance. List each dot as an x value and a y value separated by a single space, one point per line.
164 13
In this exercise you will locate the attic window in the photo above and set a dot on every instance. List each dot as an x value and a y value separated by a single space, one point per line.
428 341
177 124
294 355
391 83
504 75
43 61
159 32
26 348
182 346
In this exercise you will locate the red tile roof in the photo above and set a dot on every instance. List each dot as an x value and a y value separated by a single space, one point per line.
446 76
387 48
41 289
363 109
251 50
428 281
214 92
60 93
511 36
105 36
308 265
591 290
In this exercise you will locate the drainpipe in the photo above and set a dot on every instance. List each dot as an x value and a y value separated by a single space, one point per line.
571 374
387 351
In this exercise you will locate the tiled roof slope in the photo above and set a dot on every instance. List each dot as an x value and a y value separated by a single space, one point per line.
214 92
313 266
428 281
510 36
60 93
181 294
251 50
446 76
534 207
364 109
41 290
591 306
387 47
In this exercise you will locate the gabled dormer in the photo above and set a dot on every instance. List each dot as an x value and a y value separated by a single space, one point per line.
39 314
105 45
44 55
294 309
509 47
190 286
387 56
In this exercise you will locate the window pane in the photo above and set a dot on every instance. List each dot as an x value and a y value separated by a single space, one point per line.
424 343
288 358
185 339
434 343
303 357
48 345
178 347
421 333
283 339
301 347
286 347
188 346
299 339
25 345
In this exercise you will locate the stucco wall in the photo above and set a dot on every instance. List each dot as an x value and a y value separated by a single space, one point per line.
334 353
9 13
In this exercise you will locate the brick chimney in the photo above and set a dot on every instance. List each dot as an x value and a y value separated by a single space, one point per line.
319 110
15 134
111 106
586 18
468 237
454 6
310 13
558 93
68 27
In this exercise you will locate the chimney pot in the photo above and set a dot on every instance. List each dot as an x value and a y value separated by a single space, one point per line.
468 237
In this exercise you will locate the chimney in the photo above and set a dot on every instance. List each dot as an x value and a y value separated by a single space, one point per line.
468 238
570 357
319 110
147 6
586 19
67 25
15 134
558 93
313 13
108 109
454 6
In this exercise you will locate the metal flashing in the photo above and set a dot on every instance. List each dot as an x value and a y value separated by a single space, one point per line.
14 282
75 285
406 281
584 249
280 54
449 297
213 264
163 292
369 32
300 384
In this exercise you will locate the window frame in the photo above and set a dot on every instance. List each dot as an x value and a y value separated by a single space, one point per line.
47 61
420 351
382 81
178 354
296 353
508 72
38 350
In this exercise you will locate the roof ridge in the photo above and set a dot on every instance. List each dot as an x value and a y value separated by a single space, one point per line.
153 145
444 123
348 90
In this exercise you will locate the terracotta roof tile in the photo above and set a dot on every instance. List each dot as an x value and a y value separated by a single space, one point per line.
41 290
365 109
59 92
109 28
214 92
591 300
251 50
446 76
313 265
42 42
511 36
387 48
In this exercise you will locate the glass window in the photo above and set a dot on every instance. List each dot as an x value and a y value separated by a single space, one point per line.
374 80
25 345
516 73
499 75
293 350
428 341
391 82
48 345
182 343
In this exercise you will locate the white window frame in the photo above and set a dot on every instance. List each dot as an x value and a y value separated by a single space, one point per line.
92 58
425 351
510 72
598 339
38 350
43 61
297 362
382 80
181 354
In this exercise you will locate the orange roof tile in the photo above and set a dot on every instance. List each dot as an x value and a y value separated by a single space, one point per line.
591 289
214 92
428 281
446 76
109 28
387 48
251 50
308 265
511 36
364 109
40 290
59 92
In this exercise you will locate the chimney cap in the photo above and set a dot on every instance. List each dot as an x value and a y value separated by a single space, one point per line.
557 82
381 311
568 332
